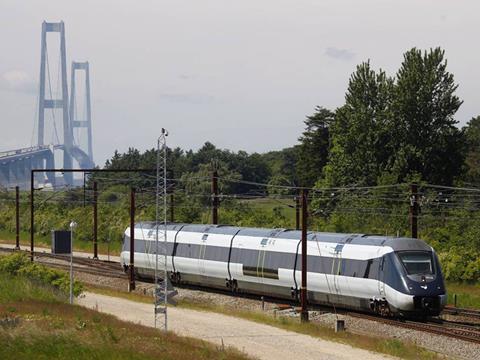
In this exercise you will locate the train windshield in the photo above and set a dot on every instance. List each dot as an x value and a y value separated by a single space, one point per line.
417 262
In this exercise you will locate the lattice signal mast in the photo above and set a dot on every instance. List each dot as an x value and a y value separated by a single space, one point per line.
87 121
161 285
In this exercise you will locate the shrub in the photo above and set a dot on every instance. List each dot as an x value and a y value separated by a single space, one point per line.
18 264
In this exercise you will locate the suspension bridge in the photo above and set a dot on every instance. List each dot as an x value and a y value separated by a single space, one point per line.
15 165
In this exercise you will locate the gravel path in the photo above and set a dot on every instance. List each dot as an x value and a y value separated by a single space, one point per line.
257 340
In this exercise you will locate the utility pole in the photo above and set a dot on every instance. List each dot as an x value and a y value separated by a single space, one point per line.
303 291
73 225
414 207
32 219
17 218
95 221
297 212
215 197
131 268
172 207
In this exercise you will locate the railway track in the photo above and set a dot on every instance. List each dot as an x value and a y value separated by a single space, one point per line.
92 271
462 312
82 264
459 330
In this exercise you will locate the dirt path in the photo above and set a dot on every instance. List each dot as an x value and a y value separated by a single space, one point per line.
257 340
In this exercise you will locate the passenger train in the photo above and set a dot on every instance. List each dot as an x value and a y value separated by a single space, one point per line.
386 275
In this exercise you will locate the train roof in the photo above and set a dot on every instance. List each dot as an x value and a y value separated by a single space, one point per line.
396 243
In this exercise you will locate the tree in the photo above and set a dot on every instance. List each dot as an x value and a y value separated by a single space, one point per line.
283 163
426 140
360 134
472 160
314 146
198 184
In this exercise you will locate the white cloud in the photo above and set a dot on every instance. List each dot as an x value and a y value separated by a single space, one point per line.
18 80
186 98
341 54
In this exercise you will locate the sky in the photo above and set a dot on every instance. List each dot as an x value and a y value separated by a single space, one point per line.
240 74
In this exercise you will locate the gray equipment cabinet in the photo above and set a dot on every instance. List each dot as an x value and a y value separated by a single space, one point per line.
61 242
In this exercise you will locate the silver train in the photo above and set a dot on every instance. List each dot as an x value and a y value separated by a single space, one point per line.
385 275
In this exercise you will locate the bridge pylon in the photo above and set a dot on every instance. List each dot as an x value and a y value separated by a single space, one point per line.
87 122
61 103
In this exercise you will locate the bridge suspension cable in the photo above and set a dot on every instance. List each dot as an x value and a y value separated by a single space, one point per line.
49 80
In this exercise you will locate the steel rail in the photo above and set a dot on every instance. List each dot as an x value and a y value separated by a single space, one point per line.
464 334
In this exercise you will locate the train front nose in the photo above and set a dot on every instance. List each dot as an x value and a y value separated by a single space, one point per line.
430 297
428 304
424 281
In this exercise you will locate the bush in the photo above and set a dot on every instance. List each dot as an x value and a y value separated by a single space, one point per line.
18 264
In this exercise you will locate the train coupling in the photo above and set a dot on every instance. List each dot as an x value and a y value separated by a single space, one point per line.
175 277
231 284
427 303
294 292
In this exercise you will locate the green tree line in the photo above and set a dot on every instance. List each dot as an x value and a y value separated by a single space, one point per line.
390 131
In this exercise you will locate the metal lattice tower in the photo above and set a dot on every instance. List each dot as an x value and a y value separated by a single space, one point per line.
87 122
161 285
62 103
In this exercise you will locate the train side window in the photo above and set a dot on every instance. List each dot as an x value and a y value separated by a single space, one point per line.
367 270
341 267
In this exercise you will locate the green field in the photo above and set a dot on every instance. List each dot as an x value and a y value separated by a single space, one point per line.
468 295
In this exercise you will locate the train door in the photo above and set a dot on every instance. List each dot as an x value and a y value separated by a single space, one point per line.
381 275
337 268
201 255
262 253
149 248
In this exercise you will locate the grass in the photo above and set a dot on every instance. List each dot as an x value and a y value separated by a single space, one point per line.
468 295
17 289
35 323
268 204
392 347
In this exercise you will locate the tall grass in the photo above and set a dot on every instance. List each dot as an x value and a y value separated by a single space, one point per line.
19 288
59 347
